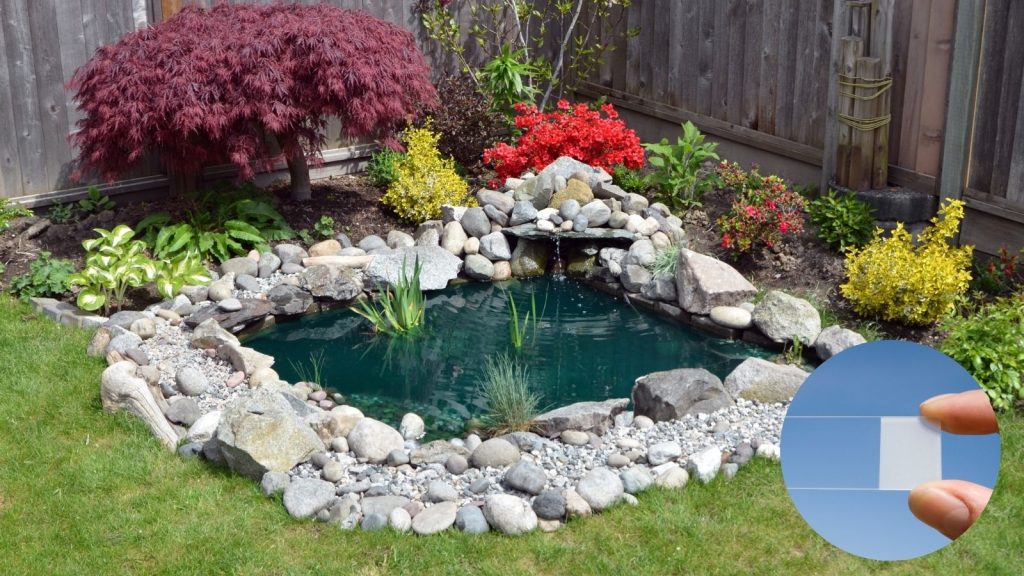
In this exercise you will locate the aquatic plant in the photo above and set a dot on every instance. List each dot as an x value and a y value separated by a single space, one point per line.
518 330
400 313
313 373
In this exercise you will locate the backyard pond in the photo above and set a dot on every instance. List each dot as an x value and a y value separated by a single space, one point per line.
586 345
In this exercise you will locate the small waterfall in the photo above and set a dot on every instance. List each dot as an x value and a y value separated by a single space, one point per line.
556 271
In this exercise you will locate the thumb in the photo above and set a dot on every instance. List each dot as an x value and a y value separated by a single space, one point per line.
949 506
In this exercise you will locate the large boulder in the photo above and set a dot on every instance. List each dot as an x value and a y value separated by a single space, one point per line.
479 268
289 300
676 393
494 246
509 514
834 340
784 318
496 452
764 381
574 190
601 488
530 258
596 417
304 497
438 267
702 282
476 223
373 439
499 200
260 433
249 311
333 282
453 238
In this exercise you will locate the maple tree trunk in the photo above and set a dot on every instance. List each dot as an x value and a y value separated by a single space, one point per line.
298 169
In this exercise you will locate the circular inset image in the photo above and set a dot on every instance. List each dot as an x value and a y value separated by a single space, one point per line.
890 450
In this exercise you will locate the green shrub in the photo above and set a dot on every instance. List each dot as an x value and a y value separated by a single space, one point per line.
95 202
666 260
46 277
220 223
401 313
893 278
988 341
10 210
679 177
324 227
629 180
426 180
842 221
382 169
60 213
511 403
506 78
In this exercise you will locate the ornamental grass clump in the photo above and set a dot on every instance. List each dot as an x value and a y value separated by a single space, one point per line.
425 180
896 280
512 404
401 313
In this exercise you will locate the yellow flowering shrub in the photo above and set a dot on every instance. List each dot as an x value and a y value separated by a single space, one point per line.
425 181
892 278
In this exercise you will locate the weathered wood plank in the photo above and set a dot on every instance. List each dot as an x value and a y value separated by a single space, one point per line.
1013 76
686 29
752 59
852 49
659 43
840 20
52 106
881 40
10 164
822 59
804 62
900 46
720 63
936 86
1015 181
990 81
789 19
72 50
634 50
768 81
915 86
863 142
705 92
25 96
734 76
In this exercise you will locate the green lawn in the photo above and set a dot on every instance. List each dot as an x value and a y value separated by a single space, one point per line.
85 492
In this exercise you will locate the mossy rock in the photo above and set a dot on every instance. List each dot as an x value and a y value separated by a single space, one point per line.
530 258
580 265
574 190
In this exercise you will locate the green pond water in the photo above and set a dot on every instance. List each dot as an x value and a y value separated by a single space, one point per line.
586 346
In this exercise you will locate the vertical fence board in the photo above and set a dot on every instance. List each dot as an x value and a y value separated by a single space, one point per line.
1015 180
990 82
10 164
789 19
752 62
916 60
25 97
720 62
768 78
686 29
935 80
1013 74
734 76
705 94
900 47
72 50
52 107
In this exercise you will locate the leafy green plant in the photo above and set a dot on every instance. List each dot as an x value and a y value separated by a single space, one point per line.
46 277
986 340
629 180
305 236
324 227
95 202
185 269
426 180
60 213
113 264
502 78
1000 275
382 170
511 403
843 221
313 372
220 223
666 260
9 210
794 353
401 313
679 177
518 330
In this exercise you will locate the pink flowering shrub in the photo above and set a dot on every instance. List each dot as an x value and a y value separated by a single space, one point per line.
764 212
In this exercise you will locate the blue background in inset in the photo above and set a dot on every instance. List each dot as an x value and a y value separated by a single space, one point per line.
876 379
841 449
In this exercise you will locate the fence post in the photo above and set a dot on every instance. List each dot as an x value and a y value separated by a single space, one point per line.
840 29
963 88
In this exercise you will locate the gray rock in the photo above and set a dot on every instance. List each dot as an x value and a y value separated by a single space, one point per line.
672 477
509 514
252 310
440 491
499 200
124 318
731 317
274 482
763 381
222 288
526 477
123 342
522 213
661 288
596 417
382 505
550 505
343 240
783 318
478 267
536 191
373 440
607 190
729 470
634 277
480 485
397 458
190 450
703 283
230 304
304 497
261 433
676 393
575 438
289 300
601 488
184 411
436 452
245 359
290 253
398 239
247 283
437 518
372 522
145 328
579 223
372 242
439 266
496 453
191 381
429 237
834 340
210 334
333 471
634 203
494 246
239 266
597 213
456 464
663 452
454 237
292 268
636 479
569 209
451 213
618 461
428 226
268 264
618 220
470 520
400 520
527 441
412 427
530 258
333 282
496 215
476 223
642 253
204 427
195 294
704 465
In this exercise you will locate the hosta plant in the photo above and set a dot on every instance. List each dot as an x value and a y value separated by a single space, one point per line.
114 262
679 176
186 269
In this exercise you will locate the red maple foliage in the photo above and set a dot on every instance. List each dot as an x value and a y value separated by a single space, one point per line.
208 86
575 130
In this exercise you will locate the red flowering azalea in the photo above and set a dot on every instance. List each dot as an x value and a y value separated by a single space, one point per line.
596 137
763 213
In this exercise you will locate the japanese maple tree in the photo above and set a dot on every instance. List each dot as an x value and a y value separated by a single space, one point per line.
225 84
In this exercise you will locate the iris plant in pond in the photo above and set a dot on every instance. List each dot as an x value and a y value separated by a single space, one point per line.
399 313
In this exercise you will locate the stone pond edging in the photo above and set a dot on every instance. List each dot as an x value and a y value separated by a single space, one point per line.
180 367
